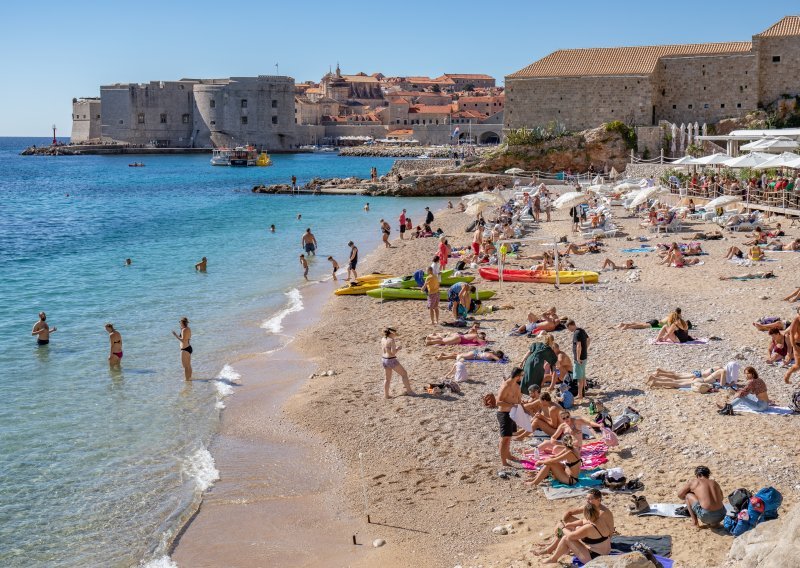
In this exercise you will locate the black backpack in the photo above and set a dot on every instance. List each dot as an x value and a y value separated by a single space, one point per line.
461 265
739 499
796 401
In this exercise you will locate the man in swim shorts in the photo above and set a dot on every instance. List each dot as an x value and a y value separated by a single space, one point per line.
402 222
793 339
309 242
508 396
42 331
580 353
353 261
703 497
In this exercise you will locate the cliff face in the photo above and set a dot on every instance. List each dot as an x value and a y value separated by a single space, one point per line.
577 152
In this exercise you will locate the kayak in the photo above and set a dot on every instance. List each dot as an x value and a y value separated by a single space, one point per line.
541 276
446 279
417 294
374 276
362 284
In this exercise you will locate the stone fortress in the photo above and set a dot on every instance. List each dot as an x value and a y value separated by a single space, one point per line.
705 83
274 113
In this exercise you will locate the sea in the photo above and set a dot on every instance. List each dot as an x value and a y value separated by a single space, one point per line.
101 467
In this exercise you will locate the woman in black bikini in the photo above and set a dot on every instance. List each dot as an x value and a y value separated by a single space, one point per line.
566 472
186 349
586 538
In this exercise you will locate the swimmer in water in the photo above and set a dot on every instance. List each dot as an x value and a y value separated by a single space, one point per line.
186 349
202 265
42 331
127 262
299 216
366 207
272 228
115 338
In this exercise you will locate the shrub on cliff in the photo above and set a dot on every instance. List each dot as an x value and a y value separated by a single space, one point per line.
536 135
628 134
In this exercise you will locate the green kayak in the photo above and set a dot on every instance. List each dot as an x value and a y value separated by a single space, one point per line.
446 279
417 294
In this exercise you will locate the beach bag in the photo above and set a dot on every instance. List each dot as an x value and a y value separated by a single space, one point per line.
739 498
621 424
610 438
747 518
796 401
461 265
419 278
772 499
489 400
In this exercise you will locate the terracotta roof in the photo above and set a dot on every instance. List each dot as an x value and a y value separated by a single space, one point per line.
788 26
399 101
468 76
640 60
469 114
430 109
313 90
487 99
359 79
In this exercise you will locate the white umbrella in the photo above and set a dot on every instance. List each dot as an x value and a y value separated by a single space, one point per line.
488 197
774 145
778 161
794 164
685 161
569 199
696 131
515 171
747 160
722 201
683 137
674 143
705 129
613 174
689 128
644 195
713 159
627 185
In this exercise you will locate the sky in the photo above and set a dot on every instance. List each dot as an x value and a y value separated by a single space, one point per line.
56 50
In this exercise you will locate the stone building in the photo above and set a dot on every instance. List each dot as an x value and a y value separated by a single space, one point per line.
703 83
86 121
461 80
199 113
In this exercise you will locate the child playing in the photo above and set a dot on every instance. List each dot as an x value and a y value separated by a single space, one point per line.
335 267
304 264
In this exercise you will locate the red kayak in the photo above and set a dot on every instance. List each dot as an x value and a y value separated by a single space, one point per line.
540 276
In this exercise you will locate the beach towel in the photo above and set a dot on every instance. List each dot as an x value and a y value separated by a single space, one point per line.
659 544
665 562
584 480
521 418
640 249
501 361
782 410
698 341
569 492
664 510
593 455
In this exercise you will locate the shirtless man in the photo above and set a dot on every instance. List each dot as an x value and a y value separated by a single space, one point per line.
548 418
202 265
703 497
309 242
42 331
304 265
335 266
562 372
793 338
115 339
508 396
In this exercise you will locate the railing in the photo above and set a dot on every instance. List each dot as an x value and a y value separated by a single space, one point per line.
787 201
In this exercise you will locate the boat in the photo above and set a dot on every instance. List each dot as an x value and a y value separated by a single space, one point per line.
540 276
239 156
374 276
446 278
263 160
417 294
220 157
362 284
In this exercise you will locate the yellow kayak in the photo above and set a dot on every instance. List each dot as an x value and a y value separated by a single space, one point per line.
362 284
374 276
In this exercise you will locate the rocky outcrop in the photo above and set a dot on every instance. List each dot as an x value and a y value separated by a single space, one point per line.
395 151
50 151
773 544
577 152
630 560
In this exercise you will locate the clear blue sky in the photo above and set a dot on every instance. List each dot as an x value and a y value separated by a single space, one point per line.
56 50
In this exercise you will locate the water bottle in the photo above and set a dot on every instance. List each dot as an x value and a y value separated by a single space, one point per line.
536 454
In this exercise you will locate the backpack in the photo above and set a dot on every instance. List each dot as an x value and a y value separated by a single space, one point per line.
747 518
461 265
489 400
796 401
772 499
739 498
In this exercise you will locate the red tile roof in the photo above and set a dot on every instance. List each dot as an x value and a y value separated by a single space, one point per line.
430 109
640 60
788 26
468 76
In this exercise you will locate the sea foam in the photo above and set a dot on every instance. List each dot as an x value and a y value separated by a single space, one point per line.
162 562
225 378
200 466
275 323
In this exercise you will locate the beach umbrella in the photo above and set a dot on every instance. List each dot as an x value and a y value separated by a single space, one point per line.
491 198
689 128
794 164
713 159
722 201
627 185
682 133
773 145
569 199
685 161
644 195
515 171
613 174
777 161
747 160
696 131
674 132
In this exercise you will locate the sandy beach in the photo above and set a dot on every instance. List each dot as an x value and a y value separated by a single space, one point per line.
430 463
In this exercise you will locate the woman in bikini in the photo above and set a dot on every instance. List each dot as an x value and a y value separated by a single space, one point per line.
389 349
725 376
564 467
186 349
676 330
586 538
469 338
778 347
386 230
115 338
572 427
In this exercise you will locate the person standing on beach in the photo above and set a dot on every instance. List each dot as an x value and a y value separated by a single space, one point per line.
42 331
508 397
115 338
294 183
444 251
580 352
184 338
428 216
352 261
386 230
309 242
793 338
477 238
335 267
202 265
304 264
575 213
431 288
402 223
436 268
389 349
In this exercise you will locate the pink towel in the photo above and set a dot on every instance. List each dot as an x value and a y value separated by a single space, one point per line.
593 454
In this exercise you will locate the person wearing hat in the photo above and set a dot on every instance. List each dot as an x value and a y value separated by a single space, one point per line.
703 497
389 349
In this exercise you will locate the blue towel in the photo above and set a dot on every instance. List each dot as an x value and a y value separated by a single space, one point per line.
584 480
640 249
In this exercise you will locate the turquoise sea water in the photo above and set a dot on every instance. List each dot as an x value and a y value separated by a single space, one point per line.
99 467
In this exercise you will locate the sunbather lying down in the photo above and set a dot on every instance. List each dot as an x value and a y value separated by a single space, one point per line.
793 297
547 321
469 338
627 265
474 355
768 323
664 379
750 276
651 324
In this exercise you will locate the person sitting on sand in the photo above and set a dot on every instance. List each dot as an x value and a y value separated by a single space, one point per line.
569 425
750 276
734 252
478 308
756 387
778 349
675 330
703 497
628 265
474 355
474 338
564 466
725 376
676 259
758 238
693 249
508 397
458 372
586 538
547 418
